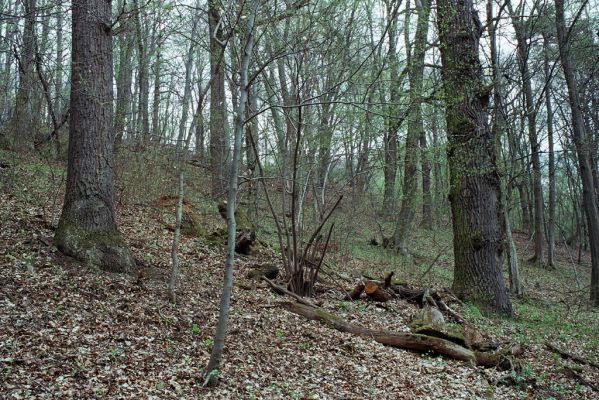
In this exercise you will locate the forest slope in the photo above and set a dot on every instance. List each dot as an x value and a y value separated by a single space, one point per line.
71 332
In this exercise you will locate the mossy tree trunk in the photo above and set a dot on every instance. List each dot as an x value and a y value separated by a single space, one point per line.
475 186
87 229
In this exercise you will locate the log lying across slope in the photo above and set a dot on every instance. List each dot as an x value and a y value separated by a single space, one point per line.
403 340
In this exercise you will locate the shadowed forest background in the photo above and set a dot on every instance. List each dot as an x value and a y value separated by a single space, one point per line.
310 199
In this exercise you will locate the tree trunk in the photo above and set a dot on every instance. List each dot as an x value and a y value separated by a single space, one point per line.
58 100
393 122
500 127
187 85
415 130
531 115
23 120
223 317
143 79
87 229
475 186
217 100
123 83
582 141
551 162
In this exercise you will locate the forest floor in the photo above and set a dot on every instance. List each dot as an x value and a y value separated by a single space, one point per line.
70 332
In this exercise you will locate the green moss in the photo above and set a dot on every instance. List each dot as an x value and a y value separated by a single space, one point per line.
103 249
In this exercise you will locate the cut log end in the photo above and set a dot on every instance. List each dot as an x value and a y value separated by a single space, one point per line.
376 292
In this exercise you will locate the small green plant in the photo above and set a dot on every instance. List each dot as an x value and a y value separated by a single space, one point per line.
344 305
208 342
280 333
195 329
113 352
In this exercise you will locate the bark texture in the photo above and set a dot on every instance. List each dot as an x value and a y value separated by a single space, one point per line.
87 229
475 186
583 143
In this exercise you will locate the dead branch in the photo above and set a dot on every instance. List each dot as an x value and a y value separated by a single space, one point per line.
573 357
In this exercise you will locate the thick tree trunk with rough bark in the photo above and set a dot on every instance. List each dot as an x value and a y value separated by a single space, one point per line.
583 143
87 229
475 186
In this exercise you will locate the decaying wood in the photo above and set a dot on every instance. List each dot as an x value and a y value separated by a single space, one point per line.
245 243
387 280
270 271
402 340
567 355
376 292
356 292
404 292
281 290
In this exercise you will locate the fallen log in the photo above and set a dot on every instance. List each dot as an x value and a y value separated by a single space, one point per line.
356 292
281 290
376 292
406 293
270 271
565 354
402 340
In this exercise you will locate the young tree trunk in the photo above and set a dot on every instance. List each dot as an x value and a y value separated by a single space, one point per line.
123 82
393 121
23 120
415 130
551 162
7 40
582 141
143 78
87 229
427 196
217 100
223 317
156 70
58 101
531 115
187 86
500 127
475 185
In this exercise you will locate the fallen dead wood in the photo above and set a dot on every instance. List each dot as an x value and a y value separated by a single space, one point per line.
356 292
376 292
270 271
402 340
245 243
281 290
573 357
